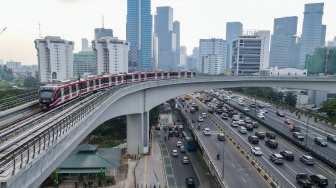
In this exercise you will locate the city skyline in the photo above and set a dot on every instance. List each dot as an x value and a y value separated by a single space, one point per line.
77 19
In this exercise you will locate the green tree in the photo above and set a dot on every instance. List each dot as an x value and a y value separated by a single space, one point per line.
154 116
329 107
290 98
30 82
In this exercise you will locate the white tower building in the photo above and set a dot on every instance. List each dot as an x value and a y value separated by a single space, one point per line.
111 55
55 58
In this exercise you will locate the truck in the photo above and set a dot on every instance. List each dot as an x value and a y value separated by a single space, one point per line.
294 127
235 117
186 96
201 97
303 180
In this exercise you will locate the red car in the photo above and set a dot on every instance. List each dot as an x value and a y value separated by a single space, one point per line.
288 121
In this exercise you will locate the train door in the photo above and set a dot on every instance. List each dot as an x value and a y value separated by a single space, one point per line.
70 92
99 83
121 79
77 90
168 75
110 81
62 95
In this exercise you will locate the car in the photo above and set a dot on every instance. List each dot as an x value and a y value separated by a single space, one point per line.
281 114
261 106
331 138
246 109
204 115
210 110
206 131
247 120
271 135
200 119
181 126
190 182
170 134
170 127
298 136
261 116
249 127
288 121
288 155
221 137
320 141
164 127
177 134
261 111
276 158
265 110
175 153
182 149
225 116
308 160
242 130
256 151
157 127
271 143
253 139
241 103
253 105
255 124
185 160
241 116
179 143
267 104
241 122
234 124
260 135
319 180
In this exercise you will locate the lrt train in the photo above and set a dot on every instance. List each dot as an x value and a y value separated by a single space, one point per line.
52 95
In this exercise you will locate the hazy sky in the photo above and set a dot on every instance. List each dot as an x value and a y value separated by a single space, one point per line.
76 19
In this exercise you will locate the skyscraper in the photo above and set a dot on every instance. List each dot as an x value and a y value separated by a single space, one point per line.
176 29
311 30
283 42
139 34
233 30
102 32
216 47
163 27
323 35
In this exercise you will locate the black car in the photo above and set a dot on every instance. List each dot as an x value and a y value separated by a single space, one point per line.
281 114
331 138
252 105
170 134
255 124
253 139
170 127
319 180
190 182
210 110
320 141
271 135
288 155
260 135
249 127
272 143
261 106
177 134
298 136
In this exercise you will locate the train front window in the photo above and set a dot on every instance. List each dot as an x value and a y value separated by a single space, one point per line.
46 94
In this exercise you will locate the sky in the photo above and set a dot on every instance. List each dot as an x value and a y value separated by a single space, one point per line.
76 19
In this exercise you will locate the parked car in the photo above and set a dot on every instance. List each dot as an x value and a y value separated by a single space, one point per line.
253 139
306 159
256 151
320 141
281 114
255 124
276 158
271 143
288 155
298 136
242 130
331 138
260 135
246 109
319 180
185 160
271 135
206 131
175 153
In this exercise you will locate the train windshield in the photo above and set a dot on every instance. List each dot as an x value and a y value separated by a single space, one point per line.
46 94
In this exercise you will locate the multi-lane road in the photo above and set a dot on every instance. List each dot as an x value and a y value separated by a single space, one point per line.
284 173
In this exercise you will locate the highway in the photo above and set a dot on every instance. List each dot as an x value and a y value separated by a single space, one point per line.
238 172
284 173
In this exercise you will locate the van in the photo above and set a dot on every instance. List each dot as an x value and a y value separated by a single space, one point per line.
221 137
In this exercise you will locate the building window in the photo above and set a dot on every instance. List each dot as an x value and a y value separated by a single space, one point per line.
54 75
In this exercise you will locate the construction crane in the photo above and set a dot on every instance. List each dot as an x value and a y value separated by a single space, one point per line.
3 31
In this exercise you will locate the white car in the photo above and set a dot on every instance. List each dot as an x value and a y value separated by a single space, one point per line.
261 111
175 153
265 110
200 119
241 103
241 122
256 151
246 109
181 126
267 104
261 116
185 160
204 115
242 130
234 124
179 143
206 131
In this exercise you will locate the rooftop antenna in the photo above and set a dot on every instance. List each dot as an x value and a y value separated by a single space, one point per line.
40 31
103 21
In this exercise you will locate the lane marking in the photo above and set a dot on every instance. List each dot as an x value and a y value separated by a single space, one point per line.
290 168
243 179
309 171
233 165
218 144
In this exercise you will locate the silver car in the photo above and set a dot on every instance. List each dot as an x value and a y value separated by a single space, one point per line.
308 160
242 130
175 153
185 160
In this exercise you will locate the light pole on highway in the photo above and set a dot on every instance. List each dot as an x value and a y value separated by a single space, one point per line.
223 153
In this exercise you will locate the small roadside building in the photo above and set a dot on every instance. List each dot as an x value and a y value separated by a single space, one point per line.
87 162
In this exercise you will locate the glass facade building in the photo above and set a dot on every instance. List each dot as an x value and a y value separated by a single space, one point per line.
83 63
233 30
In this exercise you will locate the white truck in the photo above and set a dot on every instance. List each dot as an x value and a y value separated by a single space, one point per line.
235 118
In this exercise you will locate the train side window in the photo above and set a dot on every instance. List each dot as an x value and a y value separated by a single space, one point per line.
66 91
73 88
97 82
58 94
113 79
84 86
91 84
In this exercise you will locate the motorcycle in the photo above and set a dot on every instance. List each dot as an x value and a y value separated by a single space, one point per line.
218 156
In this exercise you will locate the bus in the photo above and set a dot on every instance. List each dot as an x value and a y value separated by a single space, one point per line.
189 142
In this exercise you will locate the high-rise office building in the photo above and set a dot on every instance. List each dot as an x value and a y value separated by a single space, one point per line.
312 31
183 55
55 58
83 63
14 65
176 29
102 32
139 34
163 27
155 53
323 35
215 47
85 45
283 42
233 31
111 55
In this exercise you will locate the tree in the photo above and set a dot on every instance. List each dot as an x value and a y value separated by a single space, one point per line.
290 98
154 116
329 107
30 82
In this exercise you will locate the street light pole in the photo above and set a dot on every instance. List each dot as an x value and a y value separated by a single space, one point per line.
223 155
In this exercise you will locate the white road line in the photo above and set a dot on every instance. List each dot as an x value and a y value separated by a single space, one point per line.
233 165
218 144
225 154
266 148
309 171
243 179
290 168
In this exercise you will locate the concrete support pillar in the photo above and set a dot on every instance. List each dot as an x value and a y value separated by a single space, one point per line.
137 132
